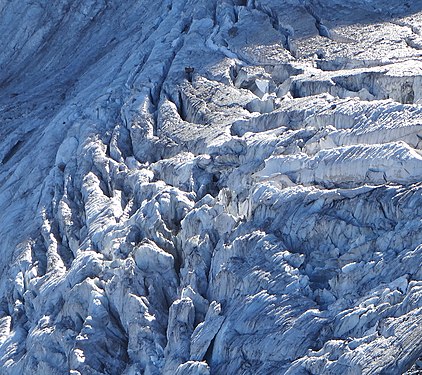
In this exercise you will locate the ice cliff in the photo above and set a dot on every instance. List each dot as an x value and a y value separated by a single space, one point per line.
210 187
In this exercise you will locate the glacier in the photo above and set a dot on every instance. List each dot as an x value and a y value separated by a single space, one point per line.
211 187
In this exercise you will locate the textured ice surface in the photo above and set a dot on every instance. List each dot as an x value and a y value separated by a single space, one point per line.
210 187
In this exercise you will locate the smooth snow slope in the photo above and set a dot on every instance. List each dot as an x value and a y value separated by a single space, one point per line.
261 215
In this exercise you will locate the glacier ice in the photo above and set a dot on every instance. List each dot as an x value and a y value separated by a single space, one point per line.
260 214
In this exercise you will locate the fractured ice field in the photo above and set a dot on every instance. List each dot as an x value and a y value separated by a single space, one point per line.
211 187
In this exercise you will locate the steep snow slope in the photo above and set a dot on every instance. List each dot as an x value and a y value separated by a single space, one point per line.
259 215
